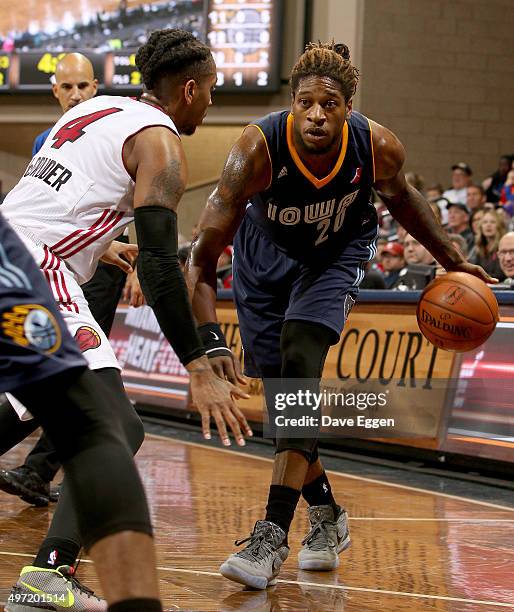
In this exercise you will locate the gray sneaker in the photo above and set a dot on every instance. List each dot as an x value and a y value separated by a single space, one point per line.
327 538
258 564
49 589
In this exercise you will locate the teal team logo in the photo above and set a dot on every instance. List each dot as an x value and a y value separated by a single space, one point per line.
32 325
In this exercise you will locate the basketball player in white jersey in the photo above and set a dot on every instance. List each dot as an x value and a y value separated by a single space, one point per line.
107 162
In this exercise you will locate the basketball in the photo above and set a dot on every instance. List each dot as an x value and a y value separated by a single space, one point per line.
457 312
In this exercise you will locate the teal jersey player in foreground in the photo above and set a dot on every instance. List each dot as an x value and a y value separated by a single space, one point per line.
294 197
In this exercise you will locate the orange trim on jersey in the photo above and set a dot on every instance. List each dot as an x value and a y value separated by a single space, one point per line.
267 149
318 183
372 150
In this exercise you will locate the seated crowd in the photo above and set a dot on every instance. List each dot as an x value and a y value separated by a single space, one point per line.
479 218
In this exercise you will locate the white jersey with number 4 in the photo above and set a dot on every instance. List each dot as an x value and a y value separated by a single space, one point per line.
76 194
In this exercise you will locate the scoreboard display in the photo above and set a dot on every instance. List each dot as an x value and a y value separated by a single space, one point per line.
242 34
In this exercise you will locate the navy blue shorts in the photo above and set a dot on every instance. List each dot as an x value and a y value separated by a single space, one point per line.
270 288
34 341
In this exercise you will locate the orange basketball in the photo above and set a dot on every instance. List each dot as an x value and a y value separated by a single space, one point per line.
457 312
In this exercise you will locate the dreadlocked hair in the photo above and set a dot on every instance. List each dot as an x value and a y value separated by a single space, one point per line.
327 59
171 51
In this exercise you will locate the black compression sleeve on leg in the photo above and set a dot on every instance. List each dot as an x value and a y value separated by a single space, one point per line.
162 281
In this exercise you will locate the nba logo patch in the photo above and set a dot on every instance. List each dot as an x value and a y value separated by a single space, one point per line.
357 176
454 295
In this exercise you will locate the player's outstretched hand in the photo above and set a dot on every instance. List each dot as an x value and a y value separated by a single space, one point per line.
477 271
214 398
132 292
121 254
227 367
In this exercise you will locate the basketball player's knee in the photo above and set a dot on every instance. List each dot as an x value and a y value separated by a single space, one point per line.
296 363
305 446
303 348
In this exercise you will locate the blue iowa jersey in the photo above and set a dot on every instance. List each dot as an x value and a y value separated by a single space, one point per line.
310 218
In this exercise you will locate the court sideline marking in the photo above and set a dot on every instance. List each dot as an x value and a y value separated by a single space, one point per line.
316 585
345 474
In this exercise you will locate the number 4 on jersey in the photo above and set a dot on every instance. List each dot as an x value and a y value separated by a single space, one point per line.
74 129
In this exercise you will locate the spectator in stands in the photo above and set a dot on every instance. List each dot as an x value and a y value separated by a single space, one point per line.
461 179
493 184
373 279
507 193
458 222
434 196
485 251
460 244
475 197
415 252
74 82
393 262
434 192
506 257
475 220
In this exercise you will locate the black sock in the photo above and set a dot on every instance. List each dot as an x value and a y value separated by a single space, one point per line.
136 605
55 552
319 493
281 505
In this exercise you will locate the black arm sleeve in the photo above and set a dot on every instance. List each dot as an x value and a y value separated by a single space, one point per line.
162 281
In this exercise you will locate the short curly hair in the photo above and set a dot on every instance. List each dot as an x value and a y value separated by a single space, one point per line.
172 52
327 59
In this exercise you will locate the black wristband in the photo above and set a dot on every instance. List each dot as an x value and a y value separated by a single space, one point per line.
213 340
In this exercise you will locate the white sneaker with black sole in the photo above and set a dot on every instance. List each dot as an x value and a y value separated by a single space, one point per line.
328 537
258 564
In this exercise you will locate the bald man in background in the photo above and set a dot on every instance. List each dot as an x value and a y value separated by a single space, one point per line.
74 82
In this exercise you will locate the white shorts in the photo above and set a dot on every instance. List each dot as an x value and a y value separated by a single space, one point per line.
75 311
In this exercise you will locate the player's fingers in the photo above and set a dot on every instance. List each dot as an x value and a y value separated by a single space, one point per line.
230 373
206 425
237 392
241 379
124 265
234 425
243 423
222 429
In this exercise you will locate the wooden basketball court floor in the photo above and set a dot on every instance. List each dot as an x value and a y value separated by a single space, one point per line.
411 549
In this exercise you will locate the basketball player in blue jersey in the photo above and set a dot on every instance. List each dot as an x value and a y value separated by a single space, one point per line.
295 192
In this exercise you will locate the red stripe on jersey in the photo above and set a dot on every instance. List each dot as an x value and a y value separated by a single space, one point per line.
55 284
59 245
97 234
67 293
91 235
47 253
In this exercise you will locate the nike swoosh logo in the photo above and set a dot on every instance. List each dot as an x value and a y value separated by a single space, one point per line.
216 337
67 603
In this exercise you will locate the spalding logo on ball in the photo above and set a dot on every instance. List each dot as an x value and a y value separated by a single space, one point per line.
457 312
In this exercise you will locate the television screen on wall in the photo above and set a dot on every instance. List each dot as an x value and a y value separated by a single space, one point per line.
242 34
